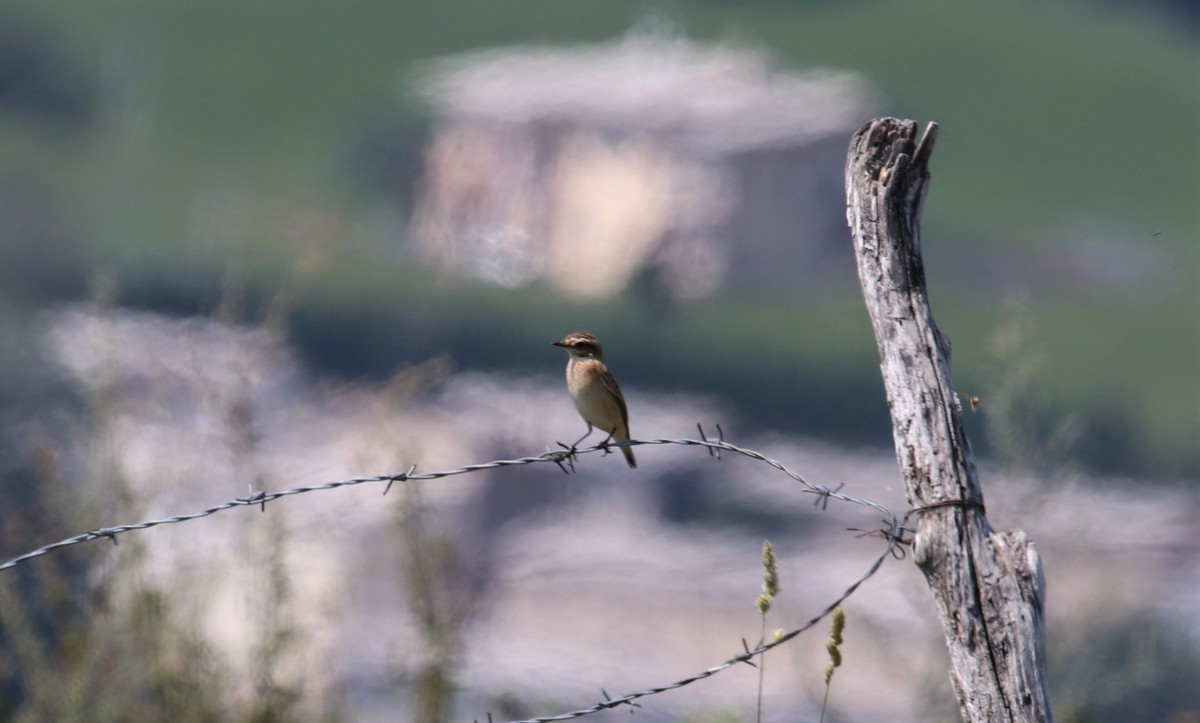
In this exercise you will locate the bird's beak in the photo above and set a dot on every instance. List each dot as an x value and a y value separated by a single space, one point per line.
557 343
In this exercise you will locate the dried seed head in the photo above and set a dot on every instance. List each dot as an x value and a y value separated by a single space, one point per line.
836 625
770 571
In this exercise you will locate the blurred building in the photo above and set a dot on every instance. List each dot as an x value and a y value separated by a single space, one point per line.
651 157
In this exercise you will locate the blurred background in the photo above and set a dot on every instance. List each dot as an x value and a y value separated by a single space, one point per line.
275 244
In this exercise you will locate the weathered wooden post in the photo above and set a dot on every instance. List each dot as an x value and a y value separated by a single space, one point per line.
988 585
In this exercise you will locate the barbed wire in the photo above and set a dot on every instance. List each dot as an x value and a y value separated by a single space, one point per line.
564 458
747 656
891 532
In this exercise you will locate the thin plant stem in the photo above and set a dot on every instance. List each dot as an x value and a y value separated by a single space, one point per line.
762 668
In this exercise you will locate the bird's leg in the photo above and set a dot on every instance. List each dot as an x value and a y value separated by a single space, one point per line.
576 443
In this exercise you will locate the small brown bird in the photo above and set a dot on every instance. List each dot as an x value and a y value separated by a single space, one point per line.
596 394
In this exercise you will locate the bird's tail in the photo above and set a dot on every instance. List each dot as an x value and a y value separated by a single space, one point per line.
628 452
622 436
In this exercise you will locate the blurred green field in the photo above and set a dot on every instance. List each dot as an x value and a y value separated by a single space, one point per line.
212 125
1049 113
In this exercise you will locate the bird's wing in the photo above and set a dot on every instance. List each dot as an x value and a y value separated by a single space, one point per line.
610 383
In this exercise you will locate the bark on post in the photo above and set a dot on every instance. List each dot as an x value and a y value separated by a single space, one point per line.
988 585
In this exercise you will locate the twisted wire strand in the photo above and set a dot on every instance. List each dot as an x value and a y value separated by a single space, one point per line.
891 533
563 458
262 498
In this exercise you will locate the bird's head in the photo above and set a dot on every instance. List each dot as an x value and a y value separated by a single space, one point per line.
581 345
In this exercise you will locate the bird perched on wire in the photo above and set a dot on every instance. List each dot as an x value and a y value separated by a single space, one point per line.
596 394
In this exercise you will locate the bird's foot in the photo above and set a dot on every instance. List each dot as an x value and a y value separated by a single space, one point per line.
605 445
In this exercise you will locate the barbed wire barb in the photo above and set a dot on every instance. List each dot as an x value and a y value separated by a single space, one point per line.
253 497
823 494
402 477
747 660
714 452
105 532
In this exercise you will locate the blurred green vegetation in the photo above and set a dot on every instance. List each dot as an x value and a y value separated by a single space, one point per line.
193 136
1048 112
